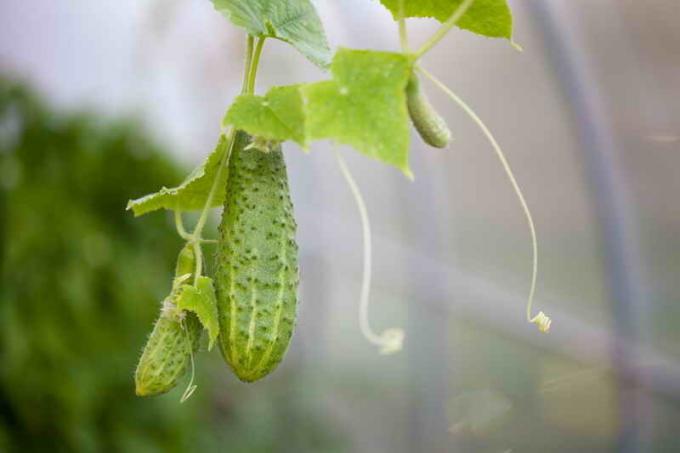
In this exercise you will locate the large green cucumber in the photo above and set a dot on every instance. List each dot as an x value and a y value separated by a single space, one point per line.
257 267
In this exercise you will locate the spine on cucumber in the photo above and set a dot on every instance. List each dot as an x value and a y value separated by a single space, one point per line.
431 127
175 337
257 267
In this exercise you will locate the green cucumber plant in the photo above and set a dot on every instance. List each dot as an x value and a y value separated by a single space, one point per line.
250 308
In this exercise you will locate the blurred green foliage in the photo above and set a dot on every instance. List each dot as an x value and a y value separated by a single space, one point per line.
74 304
81 281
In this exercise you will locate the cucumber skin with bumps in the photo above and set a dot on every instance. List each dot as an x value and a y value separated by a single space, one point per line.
168 350
167 354
257 268
431 127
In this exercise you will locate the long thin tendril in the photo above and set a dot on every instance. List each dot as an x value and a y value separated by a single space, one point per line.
541 319
191 387
389 340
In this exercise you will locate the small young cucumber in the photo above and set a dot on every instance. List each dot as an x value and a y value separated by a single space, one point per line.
172 342
429 124
167 354
186 261
257 266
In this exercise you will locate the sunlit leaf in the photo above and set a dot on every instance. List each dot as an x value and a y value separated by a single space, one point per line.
364 105
193 193
491 18
201 300
293 21
276 116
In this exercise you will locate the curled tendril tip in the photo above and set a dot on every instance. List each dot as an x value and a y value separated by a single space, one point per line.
543 321
391 341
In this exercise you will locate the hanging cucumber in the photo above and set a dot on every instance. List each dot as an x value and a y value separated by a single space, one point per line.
430 125
167 354
257 268
175 337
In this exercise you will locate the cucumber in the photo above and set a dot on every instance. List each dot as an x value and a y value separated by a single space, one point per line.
167 354
175 337
431 127
186 261
256 264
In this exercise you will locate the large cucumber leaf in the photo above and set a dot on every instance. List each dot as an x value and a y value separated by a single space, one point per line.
364 105
192 193
491 18
293 21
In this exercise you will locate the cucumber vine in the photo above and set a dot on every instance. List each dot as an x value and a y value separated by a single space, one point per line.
248 307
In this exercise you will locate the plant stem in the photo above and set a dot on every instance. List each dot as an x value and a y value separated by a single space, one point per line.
250 43
179 224
403 32
445 28
254 65
196 235
249 74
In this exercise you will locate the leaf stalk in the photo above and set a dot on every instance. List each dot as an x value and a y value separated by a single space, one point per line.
444 29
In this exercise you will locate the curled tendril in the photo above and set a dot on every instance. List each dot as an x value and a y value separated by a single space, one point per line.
390 340
542 320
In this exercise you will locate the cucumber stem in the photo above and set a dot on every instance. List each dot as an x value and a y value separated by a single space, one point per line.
252 74
249 76
250 43
179 224
403 32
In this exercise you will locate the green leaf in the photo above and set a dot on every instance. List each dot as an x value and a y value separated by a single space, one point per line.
192 194
201 300
491 18
293 21
276 116
364 106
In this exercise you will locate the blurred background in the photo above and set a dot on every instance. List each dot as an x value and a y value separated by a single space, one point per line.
105 101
